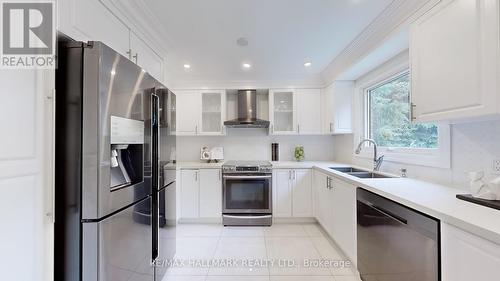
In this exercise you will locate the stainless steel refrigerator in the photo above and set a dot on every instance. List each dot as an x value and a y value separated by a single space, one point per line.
113 136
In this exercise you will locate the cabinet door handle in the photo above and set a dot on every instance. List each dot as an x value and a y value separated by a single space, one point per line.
412 111
220 174
135 57
196 176
196 129
298 128
294 175
129 53
272 129
331 125
289 174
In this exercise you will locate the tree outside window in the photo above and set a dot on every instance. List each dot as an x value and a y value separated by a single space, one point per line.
389 121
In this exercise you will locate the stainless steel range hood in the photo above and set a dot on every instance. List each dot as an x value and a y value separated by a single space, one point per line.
247 112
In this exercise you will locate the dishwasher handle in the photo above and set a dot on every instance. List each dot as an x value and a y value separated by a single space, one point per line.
387 213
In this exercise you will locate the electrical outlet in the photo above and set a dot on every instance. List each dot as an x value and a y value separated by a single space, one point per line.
496 166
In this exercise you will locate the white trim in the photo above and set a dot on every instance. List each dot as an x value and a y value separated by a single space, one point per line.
439 157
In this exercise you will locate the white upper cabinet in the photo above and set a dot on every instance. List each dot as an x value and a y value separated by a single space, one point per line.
466 257
283 112
91 20
454 60
213 112
145 57
188 110
337 107
293 112
309 111
200 112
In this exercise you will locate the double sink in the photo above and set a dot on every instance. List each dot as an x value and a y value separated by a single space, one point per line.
360 173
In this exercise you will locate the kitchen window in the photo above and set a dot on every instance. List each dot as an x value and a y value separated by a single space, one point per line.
387 120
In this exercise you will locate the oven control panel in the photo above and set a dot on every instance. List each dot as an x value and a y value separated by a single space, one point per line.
246 169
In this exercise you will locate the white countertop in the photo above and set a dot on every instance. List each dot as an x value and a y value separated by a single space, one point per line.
433 199
193 165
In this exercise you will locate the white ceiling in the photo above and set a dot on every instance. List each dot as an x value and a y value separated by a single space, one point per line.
282 35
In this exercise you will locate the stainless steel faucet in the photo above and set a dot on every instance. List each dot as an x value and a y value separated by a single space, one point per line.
377 161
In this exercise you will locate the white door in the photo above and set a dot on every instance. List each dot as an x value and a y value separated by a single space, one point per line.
188 112
210 193
309 111
344 217
282 195
283 112
302 193
90 20
190 193
466 257
454 59
26 181
145 57
213 112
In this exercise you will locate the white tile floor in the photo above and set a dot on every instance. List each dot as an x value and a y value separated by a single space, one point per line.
292 243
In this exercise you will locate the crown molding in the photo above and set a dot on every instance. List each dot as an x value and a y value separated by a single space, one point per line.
399 14
246 84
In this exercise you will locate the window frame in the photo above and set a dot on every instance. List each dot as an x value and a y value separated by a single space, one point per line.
433 157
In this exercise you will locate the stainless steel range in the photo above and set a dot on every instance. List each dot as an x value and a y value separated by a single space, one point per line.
247 193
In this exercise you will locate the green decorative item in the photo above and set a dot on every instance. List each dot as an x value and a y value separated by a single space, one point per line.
299 153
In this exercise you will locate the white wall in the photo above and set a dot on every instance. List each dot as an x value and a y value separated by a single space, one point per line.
255 144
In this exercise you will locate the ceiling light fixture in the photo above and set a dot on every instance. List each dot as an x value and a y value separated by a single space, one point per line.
187 66
307 64
246 65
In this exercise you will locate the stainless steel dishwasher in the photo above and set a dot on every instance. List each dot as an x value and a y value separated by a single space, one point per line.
395 242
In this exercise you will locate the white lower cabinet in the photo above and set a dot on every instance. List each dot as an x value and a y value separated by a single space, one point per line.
466 257
343 205
190 193
335 210
322 201
201 193
210 193
292 193
302 193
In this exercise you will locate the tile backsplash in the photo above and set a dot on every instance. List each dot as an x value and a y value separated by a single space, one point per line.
255 144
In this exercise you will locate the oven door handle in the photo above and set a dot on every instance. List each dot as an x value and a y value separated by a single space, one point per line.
248 217
247 177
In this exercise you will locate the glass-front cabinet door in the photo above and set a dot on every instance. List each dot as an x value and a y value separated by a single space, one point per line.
213 111
283 109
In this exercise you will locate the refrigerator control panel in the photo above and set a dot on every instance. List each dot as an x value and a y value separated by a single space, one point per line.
126 131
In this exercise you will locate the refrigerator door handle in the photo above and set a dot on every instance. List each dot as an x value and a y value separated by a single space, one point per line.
155 216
